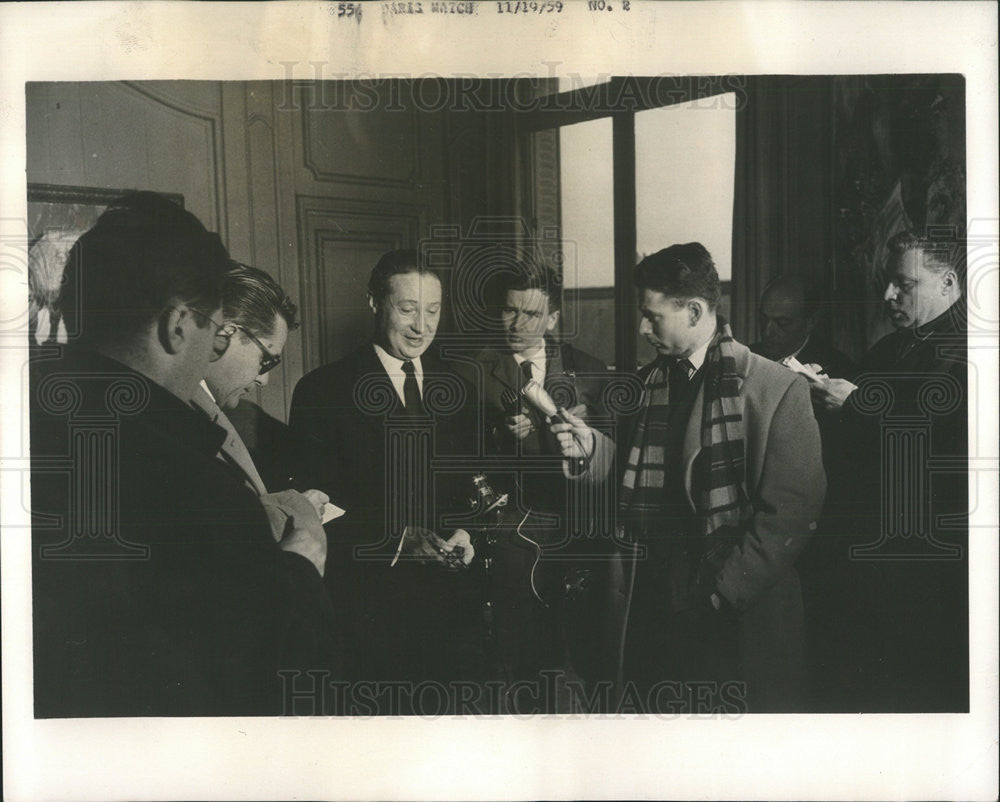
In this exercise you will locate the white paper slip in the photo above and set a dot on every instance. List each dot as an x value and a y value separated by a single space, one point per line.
330 512
793 364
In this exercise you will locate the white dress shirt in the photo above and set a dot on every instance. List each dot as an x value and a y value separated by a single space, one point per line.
394 367
537 361
697 359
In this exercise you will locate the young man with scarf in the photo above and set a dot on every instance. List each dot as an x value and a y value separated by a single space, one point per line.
721 484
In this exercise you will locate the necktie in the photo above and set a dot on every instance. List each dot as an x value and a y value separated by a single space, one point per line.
411 393
679 378
526 371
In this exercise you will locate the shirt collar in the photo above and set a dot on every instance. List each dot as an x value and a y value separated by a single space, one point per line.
393 365
536 358
204 386
952 319
697 358
801 348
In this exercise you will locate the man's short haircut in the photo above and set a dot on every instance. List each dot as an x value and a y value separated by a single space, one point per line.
680 272
941 254
252 299
525 276
143 253
395 263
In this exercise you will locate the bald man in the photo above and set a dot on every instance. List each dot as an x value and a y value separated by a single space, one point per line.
788 312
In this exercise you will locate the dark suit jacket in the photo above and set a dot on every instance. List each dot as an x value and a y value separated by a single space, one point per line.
531 471
785 483
571 378
404 621
906 500
199 614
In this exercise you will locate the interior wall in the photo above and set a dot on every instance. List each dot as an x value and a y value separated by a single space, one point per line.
310 182
163 136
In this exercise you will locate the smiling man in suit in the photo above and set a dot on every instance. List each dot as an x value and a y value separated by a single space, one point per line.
375 419
721 484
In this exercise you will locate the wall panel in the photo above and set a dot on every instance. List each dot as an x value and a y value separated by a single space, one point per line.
341 239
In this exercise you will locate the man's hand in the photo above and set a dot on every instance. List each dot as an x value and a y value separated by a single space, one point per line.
285 505
459 545
318 499
296 526
519 426
576 438
831 393
422 545
308 541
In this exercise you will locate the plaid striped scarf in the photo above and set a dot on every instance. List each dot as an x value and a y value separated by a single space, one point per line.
718 490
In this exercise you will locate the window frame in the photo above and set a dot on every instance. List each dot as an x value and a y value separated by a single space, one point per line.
620 98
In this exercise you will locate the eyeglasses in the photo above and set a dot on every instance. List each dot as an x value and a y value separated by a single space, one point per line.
203 316
268 361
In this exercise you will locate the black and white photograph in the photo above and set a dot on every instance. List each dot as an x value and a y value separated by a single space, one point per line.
506 423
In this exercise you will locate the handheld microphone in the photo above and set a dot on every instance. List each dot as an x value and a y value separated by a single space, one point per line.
511 402
535 394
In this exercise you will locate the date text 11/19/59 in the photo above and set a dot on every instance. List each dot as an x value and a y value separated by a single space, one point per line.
529 7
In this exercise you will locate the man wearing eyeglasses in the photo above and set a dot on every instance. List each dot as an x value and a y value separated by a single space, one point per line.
257 315
158 588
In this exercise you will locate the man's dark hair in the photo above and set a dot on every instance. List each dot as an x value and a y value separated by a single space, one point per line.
395 263
144 252
680 272
252 299
941 254
532 277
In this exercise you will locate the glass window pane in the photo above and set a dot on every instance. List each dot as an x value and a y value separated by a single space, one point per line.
587 216
685 159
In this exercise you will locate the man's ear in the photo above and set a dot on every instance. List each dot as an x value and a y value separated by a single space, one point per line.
172 328
372 304
948 282
696 311
553 321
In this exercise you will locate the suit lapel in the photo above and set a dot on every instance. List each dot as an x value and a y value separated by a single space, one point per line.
233 449
504 370
553 362
371 369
